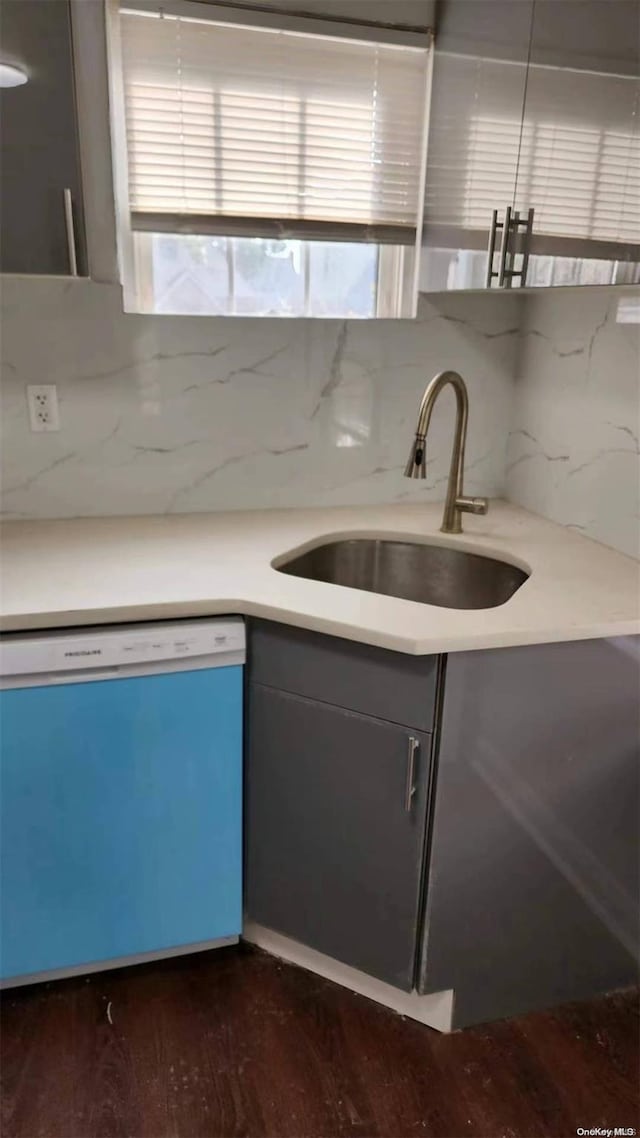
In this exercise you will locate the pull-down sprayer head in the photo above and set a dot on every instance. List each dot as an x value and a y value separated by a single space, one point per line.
417 462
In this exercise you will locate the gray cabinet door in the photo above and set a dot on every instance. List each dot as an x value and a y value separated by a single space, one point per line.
479 85
334 856
533 883
579 154
39 141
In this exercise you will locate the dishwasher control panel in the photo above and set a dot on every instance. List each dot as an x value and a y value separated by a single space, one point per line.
108 647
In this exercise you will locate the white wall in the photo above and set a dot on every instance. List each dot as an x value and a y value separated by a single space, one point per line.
575 423
176 414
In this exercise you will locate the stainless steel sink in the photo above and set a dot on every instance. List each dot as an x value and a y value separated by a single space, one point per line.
431 574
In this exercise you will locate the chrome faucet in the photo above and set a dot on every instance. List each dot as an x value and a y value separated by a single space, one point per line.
456 503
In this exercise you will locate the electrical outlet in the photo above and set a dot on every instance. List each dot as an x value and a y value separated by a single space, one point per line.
42 399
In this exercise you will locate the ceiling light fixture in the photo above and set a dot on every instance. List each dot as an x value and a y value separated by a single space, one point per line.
12 76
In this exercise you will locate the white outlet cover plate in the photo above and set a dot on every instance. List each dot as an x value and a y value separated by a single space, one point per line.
42 399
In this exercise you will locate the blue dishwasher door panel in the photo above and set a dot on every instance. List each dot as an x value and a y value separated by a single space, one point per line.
121 819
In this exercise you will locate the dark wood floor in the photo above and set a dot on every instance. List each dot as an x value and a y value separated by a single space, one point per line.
235 1043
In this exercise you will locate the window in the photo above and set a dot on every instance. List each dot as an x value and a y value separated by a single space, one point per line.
256 276
270 172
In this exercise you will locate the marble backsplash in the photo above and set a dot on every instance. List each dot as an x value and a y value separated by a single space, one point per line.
178 414
573 452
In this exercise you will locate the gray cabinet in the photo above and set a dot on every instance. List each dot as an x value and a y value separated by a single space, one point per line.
39 141
579 155
478 91
511 873
533 109
533 882
335 823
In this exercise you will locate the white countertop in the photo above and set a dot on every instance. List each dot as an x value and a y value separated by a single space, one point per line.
104 570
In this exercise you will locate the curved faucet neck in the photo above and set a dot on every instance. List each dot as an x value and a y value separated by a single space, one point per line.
432 391
455 501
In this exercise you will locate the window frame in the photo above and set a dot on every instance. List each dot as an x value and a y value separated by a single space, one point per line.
399 277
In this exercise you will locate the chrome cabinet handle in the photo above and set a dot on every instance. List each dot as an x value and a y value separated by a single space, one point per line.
492 248
513 243
528 230
71 233
504 246
410 789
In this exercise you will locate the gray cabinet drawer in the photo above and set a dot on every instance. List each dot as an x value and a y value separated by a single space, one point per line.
359 677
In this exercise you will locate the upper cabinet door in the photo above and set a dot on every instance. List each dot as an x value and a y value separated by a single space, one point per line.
39 142
579 162
535 114
478 94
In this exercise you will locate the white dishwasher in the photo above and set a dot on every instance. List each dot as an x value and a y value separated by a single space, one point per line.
121 794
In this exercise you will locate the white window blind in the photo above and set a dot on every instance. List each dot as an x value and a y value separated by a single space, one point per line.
236 130
575 158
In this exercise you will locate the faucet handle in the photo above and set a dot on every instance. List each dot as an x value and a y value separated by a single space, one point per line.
472 505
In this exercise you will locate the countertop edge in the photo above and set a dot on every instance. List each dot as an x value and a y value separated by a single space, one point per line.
226 606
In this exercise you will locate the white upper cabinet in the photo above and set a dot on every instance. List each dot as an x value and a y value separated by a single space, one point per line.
533 166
